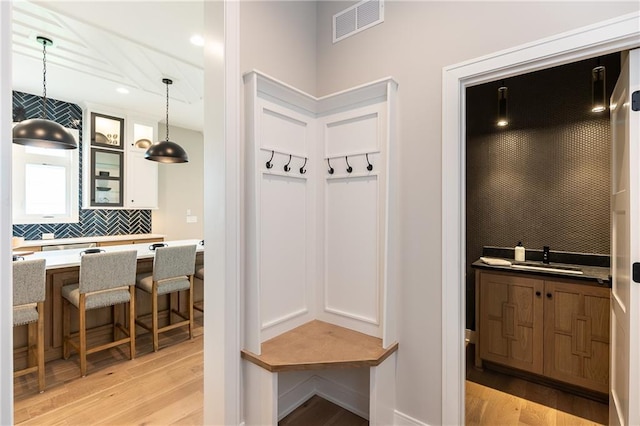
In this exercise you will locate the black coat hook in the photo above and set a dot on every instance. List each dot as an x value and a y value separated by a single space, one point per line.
269 164
369 165
302 169
349 168
330 168
286 166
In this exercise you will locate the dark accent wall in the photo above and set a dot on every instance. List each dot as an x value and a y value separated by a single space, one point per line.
91 223
545 178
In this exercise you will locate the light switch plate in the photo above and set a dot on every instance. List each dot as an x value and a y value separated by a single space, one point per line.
48 236
192 219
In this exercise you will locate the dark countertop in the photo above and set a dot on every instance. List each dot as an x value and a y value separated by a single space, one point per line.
592 275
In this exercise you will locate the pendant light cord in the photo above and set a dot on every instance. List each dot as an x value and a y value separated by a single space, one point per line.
167 116
44 80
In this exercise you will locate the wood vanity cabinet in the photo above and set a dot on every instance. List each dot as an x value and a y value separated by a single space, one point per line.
555 328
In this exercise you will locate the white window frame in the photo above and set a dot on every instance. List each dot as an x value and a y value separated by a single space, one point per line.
70 161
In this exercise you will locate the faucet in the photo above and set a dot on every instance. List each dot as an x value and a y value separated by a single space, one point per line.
545 254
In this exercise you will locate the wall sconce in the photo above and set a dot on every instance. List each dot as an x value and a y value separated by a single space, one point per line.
598 89
503 120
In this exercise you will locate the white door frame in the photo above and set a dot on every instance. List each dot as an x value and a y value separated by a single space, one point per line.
605 37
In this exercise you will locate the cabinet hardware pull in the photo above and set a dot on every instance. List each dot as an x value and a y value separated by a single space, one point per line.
549 295
538 293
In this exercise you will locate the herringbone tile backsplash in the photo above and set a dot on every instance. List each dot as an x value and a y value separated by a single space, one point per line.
91 222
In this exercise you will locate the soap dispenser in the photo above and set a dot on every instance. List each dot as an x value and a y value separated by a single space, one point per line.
519 256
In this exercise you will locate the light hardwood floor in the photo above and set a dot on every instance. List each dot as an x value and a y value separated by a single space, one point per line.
165 387
497 399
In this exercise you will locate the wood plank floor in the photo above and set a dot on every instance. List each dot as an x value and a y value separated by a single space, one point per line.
497 399
165 387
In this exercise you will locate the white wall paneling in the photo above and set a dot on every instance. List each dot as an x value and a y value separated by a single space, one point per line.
316 241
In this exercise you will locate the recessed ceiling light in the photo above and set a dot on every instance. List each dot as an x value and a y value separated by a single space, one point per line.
122 90
197 40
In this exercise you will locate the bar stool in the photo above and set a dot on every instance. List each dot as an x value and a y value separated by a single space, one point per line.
29 278
173 269
198 281
106 279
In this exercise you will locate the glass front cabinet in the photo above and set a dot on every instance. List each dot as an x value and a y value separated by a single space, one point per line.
116 174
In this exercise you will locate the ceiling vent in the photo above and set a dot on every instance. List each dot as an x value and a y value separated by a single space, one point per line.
357 18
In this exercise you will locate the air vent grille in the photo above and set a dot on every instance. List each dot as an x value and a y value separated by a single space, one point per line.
357 18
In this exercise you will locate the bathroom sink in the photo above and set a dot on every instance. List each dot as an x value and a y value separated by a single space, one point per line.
539 266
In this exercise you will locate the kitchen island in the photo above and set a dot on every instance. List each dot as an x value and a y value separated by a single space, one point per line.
63 268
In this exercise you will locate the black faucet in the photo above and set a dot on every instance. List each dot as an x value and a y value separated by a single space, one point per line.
545 254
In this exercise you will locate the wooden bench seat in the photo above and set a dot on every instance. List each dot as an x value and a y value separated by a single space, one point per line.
320 345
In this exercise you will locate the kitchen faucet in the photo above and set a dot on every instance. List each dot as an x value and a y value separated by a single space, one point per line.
545 254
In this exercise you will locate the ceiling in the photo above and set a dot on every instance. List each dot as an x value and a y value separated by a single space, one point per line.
101 46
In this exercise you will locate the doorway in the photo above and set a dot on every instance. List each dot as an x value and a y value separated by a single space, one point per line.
614 35
543 179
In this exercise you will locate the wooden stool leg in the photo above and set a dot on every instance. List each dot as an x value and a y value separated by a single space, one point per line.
154 315
83 337
132 322
40 347
32 342
66 319
190 307
115 312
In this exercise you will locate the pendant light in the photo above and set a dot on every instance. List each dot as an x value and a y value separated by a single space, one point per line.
598 89
503 119
166 151
40 132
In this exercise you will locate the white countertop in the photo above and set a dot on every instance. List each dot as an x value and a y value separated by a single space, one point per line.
68 258
83 240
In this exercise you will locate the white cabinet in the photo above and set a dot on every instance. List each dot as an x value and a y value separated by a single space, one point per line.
141 181
123 139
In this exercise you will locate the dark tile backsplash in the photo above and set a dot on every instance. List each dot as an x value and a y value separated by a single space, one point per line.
545 178
91 222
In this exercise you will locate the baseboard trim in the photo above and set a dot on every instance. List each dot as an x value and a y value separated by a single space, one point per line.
296 396
401 419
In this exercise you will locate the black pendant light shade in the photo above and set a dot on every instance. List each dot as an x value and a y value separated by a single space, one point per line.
503 119
166 151
598 89
40 132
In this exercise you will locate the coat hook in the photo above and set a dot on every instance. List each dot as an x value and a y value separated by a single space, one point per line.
369 165
269 164
330 168
349 168
286 166
302 169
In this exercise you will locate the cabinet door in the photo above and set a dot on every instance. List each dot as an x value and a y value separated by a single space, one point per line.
142 181
106 177
576 335
511 321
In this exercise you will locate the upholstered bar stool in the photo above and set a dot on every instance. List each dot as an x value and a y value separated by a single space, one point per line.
198 281
29 278
106 279
173 269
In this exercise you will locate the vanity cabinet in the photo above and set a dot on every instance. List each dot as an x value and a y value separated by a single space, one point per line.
511 321
551 327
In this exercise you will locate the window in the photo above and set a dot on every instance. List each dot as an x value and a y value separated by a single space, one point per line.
45 184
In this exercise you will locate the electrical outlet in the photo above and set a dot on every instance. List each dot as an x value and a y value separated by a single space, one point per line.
48 236
192 219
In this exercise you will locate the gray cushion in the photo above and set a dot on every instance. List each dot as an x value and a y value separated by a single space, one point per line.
100 271
171 262
98 299
25 314
145 282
